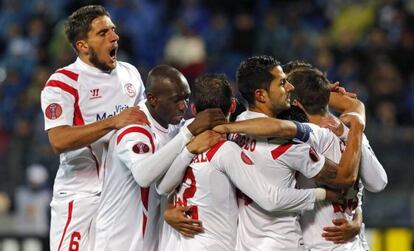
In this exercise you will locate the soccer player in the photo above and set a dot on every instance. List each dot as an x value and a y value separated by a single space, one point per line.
312 94
209 182
264 86
129 211
82 104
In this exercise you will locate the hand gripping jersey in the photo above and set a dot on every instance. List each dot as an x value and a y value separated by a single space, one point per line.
262 230
129 210
209 185
313 222
80 94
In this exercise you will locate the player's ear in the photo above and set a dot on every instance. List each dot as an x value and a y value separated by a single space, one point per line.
233 105
152 99
193 109
260 95
82 46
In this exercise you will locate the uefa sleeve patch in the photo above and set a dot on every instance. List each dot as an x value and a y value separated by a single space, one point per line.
313 154
140 148
246 159
53 111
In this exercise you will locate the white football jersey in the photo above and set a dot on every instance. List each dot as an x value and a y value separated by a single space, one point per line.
313 222
278 162
128 213
80 94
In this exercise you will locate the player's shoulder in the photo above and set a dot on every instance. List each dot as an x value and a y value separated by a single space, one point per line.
65 76
128 67
127 131
225 146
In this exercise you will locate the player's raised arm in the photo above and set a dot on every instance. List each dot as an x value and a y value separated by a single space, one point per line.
64 138
345 173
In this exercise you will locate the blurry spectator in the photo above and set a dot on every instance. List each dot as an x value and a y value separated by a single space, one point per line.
4 203
186 51
32 202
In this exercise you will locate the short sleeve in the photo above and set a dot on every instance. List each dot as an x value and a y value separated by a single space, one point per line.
58 106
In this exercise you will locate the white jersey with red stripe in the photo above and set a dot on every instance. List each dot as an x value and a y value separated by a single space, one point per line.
313 222
128 214
80 94
278 162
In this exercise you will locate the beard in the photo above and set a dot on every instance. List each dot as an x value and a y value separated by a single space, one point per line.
93 58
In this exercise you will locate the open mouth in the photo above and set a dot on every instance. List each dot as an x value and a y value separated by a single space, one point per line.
112 53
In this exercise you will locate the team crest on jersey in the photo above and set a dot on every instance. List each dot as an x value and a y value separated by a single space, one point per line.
313 154
130 89
246 159
140 147
53 111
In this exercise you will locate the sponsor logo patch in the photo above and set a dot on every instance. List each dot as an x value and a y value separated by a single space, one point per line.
246 159
53 111
313 154
140 147
130 89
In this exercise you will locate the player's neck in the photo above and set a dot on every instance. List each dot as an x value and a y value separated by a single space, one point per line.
316 118
155 116
261 109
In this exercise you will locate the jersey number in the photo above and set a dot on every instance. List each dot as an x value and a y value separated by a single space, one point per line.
74 241
188 193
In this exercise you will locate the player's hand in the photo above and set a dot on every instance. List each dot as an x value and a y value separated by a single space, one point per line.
332 123
207 119
353 120
333 195
342 232
177 218
335 87
132 115
204 141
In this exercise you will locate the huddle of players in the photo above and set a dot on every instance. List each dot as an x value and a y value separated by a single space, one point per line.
239 193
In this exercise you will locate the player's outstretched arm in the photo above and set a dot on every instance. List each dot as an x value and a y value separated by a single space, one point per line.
345 173
246 176
267 127
65 138
343 230
176 172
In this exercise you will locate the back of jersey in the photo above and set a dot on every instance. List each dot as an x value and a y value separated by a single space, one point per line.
214 202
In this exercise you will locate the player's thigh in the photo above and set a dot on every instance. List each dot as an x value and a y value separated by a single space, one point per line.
71 221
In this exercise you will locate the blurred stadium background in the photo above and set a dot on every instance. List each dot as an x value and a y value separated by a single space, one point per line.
367 45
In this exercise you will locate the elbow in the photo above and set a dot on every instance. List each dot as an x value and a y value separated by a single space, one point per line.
57 148
378 186
141 180
161 191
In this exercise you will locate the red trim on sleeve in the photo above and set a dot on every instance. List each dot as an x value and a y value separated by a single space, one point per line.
280 150
69 74
77 116
139 130
213 150
67 223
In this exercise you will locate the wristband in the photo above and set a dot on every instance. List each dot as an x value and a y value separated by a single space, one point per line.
302 131
187 134
320 194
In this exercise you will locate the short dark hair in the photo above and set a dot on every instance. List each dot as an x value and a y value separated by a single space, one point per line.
311 90
296 65
212 91
78 24
255 73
